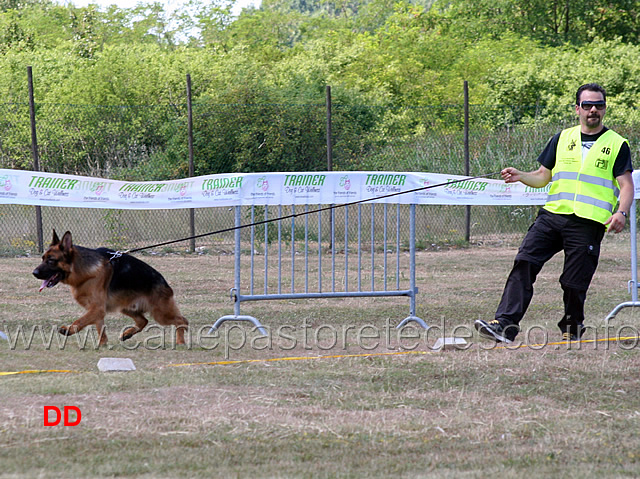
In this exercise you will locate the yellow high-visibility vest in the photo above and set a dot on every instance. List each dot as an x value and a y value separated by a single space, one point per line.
585 188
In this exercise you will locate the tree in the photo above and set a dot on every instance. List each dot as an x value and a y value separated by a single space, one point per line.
13 35
551 22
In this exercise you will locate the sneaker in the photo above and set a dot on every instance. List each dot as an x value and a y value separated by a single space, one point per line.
571 331
567 336
496 330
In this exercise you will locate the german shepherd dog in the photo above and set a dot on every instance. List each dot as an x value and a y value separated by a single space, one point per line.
102 282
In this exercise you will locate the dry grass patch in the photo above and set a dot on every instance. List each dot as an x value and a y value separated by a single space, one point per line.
462 413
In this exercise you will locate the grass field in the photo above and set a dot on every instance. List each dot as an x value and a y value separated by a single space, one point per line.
236 405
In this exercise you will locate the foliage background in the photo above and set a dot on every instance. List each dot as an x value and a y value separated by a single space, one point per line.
110 88
110 83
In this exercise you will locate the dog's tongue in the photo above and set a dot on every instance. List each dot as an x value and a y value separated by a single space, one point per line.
48 283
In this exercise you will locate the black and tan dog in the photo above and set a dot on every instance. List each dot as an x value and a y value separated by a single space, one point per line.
102 283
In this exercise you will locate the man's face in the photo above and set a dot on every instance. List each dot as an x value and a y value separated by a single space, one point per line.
591 110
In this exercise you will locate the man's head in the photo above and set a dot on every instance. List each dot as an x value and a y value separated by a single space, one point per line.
591 105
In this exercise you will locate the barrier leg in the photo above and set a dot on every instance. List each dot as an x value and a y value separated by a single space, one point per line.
412 273
235 292
233 317
621 306
416 319
633 284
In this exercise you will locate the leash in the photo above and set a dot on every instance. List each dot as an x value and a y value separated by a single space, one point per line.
118 254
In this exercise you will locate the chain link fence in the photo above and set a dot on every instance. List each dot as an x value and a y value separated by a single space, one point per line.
151 143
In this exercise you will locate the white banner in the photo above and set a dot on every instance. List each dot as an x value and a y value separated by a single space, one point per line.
52 189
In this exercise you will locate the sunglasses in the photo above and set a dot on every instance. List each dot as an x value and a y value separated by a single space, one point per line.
587 105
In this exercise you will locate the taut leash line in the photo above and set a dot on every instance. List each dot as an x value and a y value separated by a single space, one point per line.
117 254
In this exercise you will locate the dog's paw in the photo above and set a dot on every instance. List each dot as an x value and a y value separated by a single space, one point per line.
64 330
128 333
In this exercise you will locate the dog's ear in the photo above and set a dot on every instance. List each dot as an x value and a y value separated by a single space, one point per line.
66 244
55 240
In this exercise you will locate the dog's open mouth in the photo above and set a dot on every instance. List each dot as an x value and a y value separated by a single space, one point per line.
50 282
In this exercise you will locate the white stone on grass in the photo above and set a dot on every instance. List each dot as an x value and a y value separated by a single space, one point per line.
445 344
115 364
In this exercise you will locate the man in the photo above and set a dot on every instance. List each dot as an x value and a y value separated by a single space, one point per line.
590 167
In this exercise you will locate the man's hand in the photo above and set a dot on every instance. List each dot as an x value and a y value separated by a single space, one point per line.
616 222
627 191
535 179
511 175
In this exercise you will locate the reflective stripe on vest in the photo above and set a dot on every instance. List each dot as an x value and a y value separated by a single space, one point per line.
593 180
585 188
581 198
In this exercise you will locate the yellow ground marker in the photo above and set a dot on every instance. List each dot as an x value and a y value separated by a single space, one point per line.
37 371
559 343
295 358
338 356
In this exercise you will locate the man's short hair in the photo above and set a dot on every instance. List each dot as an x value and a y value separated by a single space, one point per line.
590 87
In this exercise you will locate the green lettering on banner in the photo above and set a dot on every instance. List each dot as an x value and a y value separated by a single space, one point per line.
53 183
468 185
384 180
304 180
219 183
372 180
529 189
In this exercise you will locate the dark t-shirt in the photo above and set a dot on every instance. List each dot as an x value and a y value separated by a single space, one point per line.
623 162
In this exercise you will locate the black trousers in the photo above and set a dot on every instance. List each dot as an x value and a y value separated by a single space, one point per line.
551 233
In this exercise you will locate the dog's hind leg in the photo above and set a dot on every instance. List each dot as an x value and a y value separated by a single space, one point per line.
181 326
166 313
140 321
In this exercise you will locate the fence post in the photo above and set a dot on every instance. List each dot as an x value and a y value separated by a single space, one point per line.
330 156
329 136
467 213
34 153
192 222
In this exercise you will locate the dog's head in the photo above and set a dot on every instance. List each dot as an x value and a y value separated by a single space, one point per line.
56 261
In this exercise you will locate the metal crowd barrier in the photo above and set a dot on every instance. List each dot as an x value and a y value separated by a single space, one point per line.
312 259
633 283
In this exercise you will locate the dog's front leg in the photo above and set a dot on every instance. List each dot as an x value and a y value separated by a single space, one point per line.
94 316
